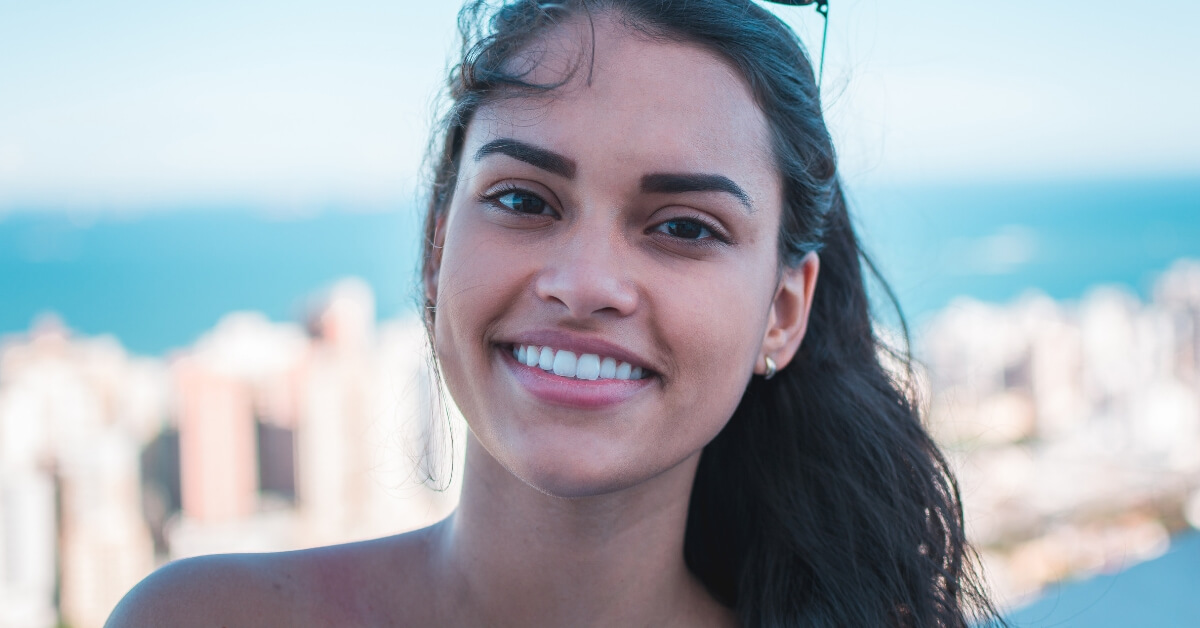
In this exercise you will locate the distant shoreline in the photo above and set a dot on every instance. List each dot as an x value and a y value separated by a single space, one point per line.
157 280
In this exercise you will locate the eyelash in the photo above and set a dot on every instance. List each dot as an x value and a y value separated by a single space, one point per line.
493 198
718 236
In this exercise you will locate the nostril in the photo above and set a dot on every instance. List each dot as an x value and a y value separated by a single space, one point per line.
584 294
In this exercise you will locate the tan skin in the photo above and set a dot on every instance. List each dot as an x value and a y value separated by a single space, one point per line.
570 516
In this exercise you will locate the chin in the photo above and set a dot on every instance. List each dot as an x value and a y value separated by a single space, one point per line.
560 470
566 484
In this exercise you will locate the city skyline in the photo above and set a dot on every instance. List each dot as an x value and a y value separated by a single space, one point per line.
1074 429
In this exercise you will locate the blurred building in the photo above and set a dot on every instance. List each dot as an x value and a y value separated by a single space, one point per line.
73 414
1075 428
262 436
293 438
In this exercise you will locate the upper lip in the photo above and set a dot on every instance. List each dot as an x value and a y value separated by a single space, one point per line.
577 344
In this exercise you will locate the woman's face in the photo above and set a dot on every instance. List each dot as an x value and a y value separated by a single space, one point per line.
620 227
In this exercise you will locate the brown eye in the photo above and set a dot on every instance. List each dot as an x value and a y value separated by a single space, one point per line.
521 202
685 229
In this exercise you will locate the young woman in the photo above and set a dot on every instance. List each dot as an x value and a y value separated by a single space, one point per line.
645 295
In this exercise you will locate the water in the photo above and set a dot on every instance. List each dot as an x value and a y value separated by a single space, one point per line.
1160 593
996 242
158 280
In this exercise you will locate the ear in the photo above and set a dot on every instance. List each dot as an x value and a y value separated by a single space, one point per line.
433 269
788 318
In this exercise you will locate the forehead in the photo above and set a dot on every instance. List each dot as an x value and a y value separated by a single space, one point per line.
654 103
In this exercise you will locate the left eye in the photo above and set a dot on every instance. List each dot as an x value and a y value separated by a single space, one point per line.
685 229
521 202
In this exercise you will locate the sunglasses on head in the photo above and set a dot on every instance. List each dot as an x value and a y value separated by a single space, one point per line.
823 9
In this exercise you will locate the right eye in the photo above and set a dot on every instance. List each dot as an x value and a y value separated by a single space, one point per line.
521 202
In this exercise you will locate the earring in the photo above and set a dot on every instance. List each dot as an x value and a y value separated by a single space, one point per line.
771 370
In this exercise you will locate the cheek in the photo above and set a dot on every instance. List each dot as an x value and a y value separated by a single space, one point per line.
478 272
716 333
477 280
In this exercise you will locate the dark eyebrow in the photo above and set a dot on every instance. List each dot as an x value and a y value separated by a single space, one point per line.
547 160
670 183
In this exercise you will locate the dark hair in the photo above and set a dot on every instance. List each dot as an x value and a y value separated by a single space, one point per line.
823 502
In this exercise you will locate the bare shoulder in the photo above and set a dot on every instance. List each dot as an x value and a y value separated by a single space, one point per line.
367 583
201 591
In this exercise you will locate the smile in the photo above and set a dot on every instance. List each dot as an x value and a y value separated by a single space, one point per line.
568 379
587 366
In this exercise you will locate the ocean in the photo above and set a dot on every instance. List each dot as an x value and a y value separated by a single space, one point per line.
1159 593
158 279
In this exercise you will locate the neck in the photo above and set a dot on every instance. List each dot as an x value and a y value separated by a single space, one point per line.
515 556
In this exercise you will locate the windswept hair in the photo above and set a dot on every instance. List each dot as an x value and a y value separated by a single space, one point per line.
823 502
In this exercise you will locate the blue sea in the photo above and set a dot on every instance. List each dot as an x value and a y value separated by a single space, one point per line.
158 279
1161 593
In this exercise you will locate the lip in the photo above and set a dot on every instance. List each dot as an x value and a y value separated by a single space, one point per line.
568 391
578 345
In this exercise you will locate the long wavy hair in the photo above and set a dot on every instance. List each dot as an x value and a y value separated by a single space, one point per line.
823 502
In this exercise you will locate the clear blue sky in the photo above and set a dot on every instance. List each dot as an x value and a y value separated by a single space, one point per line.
132 103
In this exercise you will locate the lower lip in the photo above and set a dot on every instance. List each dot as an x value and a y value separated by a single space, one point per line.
571 392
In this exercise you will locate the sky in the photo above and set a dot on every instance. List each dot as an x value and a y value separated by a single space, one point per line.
300 104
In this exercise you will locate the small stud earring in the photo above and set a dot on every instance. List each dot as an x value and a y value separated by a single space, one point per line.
771 370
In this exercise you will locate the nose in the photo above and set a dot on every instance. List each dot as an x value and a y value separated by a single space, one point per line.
588 275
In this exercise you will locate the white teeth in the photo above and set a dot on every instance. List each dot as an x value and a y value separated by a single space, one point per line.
608 368
546 359
589 366
532 356
623 370
564 364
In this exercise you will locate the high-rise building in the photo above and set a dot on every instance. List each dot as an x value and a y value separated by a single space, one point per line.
73 416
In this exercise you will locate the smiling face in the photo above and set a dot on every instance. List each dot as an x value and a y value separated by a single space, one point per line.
621 227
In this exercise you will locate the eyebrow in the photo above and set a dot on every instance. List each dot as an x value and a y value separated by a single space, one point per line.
655 183
675 183
547 160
